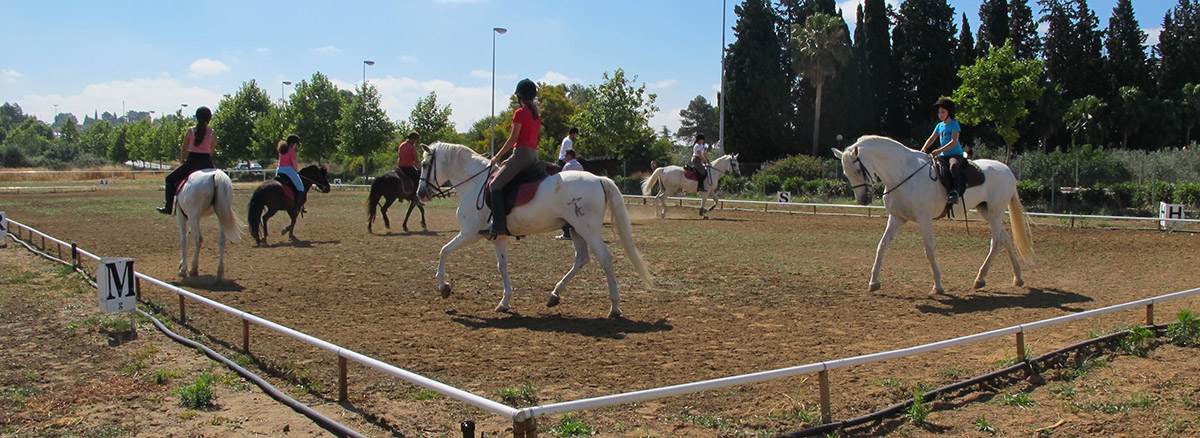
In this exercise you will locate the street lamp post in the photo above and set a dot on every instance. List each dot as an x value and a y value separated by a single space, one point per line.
54 117
365 64
492 138
721 96
282 93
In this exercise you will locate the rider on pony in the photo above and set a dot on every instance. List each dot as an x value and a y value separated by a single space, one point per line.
406 161
195 153
523 142
949 151
287 165
699 162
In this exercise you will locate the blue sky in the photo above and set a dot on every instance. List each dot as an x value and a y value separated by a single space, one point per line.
156 55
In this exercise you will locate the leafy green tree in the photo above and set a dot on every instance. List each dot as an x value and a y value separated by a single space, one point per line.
1022 30
269 129
96 137
432 120
1191 110
478 137
68 132
117 148
1125 43
699 117
617 121
314 109
993 25
996 90
138 139
364 127
556 112
1083 118
234 121
1179 47
757 87
1130 112
819 52
924 49
966 45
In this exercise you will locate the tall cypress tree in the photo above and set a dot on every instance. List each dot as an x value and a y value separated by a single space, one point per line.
924 47
877 69
1090 46
966 44
993 25
1022 30
1126 46
756 86
1060 50
1179 47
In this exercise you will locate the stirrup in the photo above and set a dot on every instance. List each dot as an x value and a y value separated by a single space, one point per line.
164 210
952 198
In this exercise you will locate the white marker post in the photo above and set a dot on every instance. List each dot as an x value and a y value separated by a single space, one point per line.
116 287
3 230
1167 212
784 197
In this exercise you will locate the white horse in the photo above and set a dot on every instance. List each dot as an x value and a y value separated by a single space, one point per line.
205 192
911 195
571 197
673 183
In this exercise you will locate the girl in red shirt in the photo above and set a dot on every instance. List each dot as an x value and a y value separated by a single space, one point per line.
523 142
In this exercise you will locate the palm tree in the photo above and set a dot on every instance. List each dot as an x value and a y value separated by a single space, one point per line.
820 49
1082 117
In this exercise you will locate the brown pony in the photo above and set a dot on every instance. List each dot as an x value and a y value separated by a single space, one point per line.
270 196
390 186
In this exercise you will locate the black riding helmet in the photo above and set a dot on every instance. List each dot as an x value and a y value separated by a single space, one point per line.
526 89
699 137
947 103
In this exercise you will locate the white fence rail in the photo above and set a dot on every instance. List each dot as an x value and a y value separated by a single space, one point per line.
524 420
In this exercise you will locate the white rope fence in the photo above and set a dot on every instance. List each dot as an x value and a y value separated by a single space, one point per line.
524 420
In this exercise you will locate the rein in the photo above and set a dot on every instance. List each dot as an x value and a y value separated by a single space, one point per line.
428 180
862 169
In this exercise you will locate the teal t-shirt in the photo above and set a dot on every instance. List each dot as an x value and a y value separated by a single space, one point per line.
945 132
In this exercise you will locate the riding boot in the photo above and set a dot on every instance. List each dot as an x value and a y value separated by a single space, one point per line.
499 220
700 182
168 202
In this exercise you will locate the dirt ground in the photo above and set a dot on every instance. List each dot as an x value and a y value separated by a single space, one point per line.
739 293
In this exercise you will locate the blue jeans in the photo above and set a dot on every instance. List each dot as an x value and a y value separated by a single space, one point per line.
292 175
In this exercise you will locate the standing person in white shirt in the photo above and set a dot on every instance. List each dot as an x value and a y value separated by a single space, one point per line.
699 162
570 164
568 144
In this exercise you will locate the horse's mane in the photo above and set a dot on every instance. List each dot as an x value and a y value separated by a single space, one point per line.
881 141
457 150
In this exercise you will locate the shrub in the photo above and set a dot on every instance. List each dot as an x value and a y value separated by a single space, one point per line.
733 184
794 185
1150 194
1091 165
1032 192
1137 342
11 156
1187 194
569 426
198 395
1185 331
919 409
767 184
795 166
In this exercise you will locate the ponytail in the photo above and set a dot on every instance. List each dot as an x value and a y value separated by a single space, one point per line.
531 106
203 115
282 147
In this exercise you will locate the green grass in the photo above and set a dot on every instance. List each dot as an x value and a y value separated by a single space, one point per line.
23 277
423 394
1063 390
569 426
198 395
1019 400
15 396
919 410
953 373
982 425
1185 331
521 396
1084 368
705 421
1138 341
163 376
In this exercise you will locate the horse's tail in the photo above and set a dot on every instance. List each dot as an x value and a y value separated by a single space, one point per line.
224 207
1022 237
651 181
373 199
258 203
620 218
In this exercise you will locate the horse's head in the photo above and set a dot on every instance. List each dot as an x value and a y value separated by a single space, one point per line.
318 175
427 174
856 173
728 164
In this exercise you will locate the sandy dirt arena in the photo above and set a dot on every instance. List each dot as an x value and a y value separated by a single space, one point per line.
739 293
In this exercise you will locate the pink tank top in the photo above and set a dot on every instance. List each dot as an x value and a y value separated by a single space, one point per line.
205 146
288 158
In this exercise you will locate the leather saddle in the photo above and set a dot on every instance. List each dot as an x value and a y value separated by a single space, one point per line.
523 187
971 172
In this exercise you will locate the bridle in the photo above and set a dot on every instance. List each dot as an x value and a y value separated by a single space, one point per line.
867 175
440 192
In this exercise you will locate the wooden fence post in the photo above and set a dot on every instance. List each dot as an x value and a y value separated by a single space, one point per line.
525 429
1150 313
342 379
1021 345
182 310
245 336
74 255
826 410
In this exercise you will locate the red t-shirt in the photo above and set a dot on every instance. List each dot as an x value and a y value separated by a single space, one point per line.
407 155
530 127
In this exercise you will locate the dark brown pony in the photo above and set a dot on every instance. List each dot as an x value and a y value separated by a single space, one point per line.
270 196
391 186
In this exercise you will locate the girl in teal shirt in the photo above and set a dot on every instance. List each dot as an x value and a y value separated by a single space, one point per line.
949 151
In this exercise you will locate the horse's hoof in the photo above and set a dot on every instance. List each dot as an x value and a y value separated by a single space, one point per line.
874 287
503 309
937 291
979 284
1018 282
445 290
553 301
615 314
194 274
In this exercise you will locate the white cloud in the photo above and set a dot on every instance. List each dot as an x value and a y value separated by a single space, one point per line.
10 75
668 118
663 84
1152 36
207 67
408 59
163 95
554 78
262 50
327 50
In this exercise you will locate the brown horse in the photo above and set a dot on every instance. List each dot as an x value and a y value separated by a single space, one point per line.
390 186
270 196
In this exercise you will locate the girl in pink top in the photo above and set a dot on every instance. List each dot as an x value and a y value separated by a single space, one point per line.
196 153
287 161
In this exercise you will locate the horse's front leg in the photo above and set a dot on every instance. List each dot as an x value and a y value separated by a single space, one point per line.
501 245
421 207
463 238
183 229
581 258
387 202
893 227
662 203
927 238
716 201
194 224
292 226
411 205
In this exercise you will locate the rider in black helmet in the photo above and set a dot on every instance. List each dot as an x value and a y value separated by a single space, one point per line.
523 142
699 161
948 150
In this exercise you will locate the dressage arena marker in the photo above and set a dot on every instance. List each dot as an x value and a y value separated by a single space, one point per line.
524 420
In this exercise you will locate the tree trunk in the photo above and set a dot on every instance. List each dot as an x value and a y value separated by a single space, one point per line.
1125 140
1187 136
817 118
